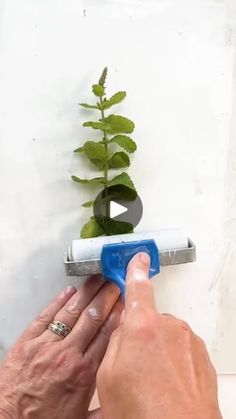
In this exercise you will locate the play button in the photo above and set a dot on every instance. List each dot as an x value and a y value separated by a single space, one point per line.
118 209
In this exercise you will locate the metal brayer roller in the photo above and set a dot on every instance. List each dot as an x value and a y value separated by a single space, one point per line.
110 255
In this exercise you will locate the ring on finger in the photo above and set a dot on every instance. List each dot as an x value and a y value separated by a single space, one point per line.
61 329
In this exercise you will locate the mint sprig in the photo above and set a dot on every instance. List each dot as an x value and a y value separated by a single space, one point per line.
103 154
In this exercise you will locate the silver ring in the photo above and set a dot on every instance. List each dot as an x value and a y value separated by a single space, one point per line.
61 329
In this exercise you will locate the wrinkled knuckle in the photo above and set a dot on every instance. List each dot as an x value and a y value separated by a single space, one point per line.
200 341
42 319
184 326
105 331
94 315
73 310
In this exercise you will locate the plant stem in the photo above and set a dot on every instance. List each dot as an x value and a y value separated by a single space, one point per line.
105 139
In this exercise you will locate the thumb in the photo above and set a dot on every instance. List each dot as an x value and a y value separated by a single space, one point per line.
95 414
139 290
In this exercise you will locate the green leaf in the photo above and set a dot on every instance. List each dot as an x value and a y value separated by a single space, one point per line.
91 229
120 159
116 98
96 125
98 90
122 179
125 142
87 204
122 193
94 181
87 106
119 124
98 163
110 226
95 150
96 153
113 124
79 150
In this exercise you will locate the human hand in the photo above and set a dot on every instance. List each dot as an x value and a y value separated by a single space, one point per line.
46 376
155 367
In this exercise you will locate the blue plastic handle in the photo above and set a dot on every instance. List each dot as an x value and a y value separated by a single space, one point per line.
116 256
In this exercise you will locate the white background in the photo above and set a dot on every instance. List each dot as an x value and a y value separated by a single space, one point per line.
175 58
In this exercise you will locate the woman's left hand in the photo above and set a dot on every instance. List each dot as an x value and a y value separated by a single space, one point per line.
47 376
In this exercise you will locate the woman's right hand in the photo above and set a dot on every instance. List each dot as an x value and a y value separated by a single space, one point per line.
155 367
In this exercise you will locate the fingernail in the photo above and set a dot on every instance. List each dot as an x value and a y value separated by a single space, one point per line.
67 292
144 258
139 275
70 289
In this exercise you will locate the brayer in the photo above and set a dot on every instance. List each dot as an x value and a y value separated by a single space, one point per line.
110 255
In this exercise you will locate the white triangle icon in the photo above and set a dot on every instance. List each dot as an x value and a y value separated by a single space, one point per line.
116 209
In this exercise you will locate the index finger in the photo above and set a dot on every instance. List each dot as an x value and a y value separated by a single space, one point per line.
139 290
